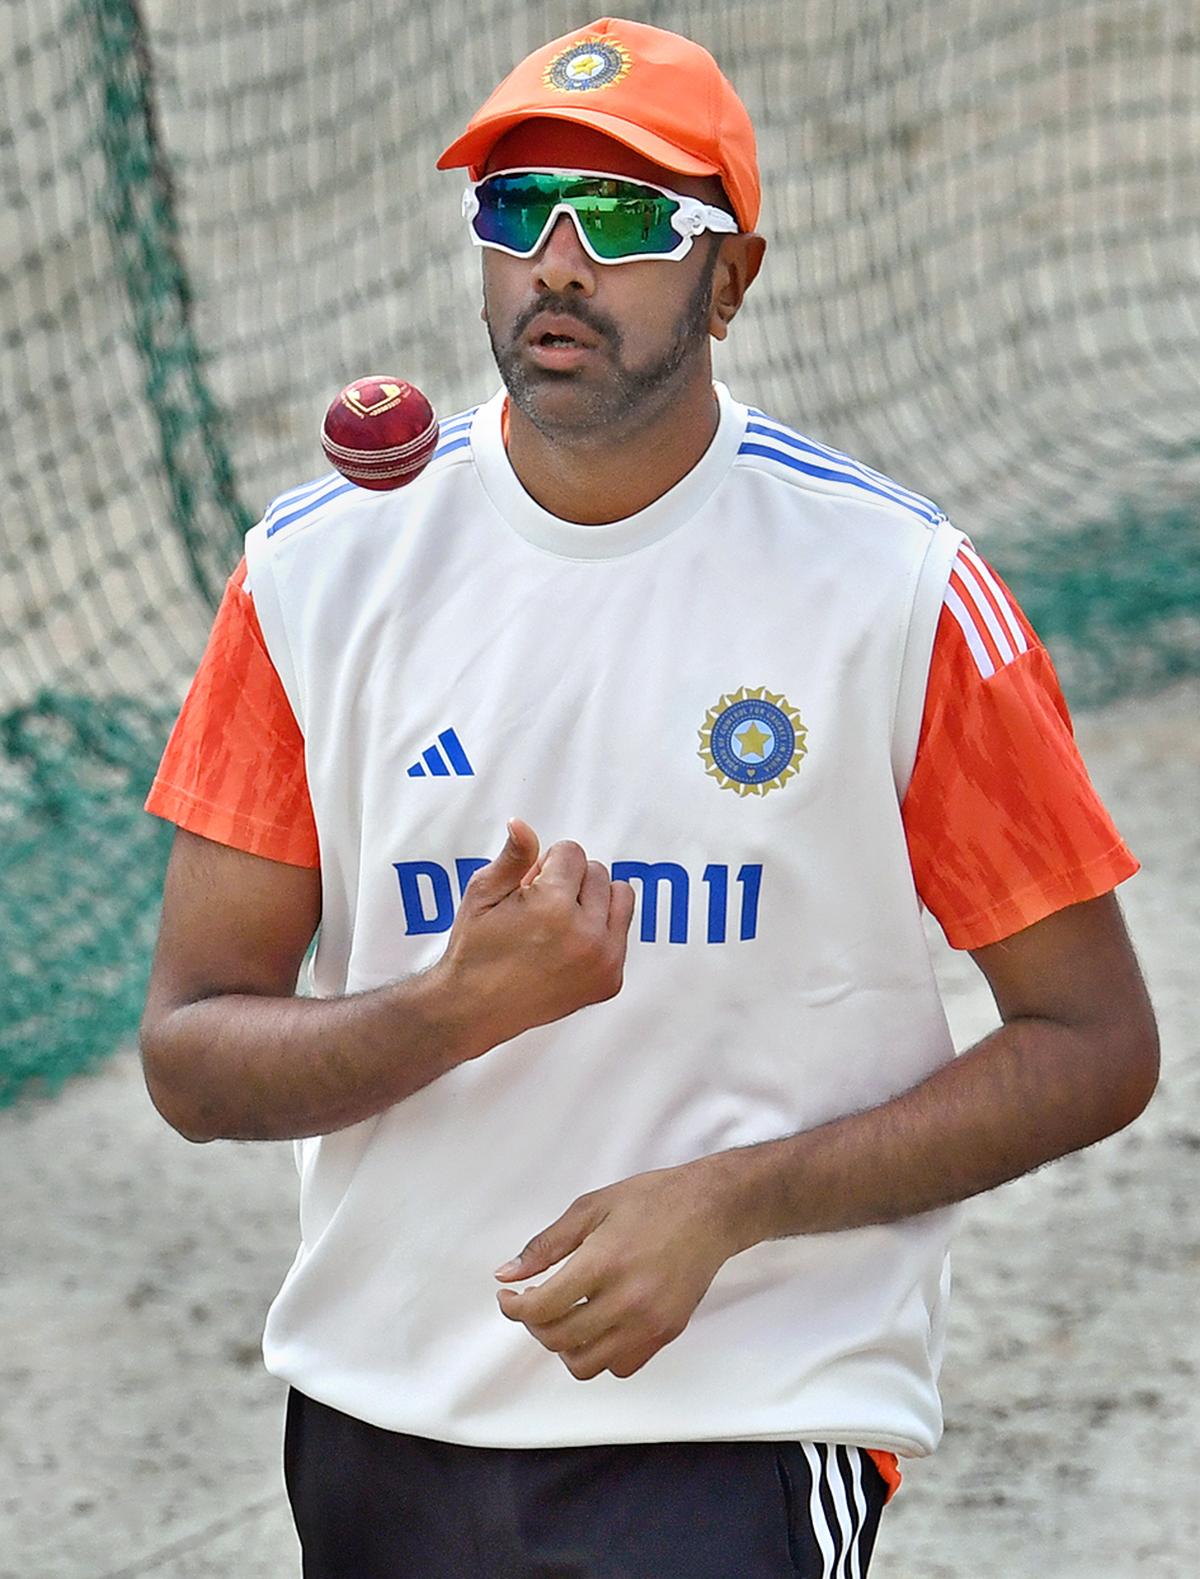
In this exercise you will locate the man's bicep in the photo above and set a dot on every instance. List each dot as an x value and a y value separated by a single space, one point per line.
1076 972
231 923
1076 967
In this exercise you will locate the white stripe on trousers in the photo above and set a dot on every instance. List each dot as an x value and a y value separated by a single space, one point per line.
860 1505
840 1544
837 1485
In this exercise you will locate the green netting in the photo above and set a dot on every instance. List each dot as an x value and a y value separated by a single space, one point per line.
76 910
983 277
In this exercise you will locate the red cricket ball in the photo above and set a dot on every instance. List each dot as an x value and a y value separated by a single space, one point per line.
380 432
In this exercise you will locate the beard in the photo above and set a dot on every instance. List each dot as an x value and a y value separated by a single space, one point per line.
630 396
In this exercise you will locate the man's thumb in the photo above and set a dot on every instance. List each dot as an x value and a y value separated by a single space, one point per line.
502 876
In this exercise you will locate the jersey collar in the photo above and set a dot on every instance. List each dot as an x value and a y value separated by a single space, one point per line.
573 541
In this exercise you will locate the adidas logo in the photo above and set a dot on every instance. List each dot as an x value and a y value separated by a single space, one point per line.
434 764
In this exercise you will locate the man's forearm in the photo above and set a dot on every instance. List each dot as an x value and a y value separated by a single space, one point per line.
229 1053
238 1067
1032 1091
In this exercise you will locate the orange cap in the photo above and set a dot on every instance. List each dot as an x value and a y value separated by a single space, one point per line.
656 92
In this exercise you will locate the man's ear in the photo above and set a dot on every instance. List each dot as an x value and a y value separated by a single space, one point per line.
738 262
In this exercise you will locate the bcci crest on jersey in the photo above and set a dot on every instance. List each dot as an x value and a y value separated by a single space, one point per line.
752 741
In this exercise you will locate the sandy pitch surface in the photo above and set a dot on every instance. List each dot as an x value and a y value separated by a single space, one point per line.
139 1434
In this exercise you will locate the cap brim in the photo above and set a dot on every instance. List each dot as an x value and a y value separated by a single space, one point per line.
472 148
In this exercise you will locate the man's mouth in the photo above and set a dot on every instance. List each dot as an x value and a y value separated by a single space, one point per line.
559 348
560 331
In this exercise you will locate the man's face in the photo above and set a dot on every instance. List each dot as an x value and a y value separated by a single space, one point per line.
639 327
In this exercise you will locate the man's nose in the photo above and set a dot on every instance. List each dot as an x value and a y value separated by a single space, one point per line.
562 265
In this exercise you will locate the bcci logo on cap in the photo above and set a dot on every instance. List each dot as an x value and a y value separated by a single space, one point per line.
594 63
752 741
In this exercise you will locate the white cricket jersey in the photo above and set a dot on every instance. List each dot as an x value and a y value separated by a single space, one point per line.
720 698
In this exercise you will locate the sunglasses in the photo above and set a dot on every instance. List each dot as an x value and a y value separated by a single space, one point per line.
617 220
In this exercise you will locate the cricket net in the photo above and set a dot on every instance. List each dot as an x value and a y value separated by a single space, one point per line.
983 278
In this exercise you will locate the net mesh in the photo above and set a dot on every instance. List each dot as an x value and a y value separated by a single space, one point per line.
982 278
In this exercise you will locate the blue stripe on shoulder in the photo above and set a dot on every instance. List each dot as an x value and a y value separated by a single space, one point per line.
454 434
827 474
306 507
853 473
296 503
789 436
458 423
461 443
294 495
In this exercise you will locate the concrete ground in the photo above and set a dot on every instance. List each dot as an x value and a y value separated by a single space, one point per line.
139 1434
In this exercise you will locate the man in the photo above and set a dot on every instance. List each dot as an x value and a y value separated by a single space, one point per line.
784 702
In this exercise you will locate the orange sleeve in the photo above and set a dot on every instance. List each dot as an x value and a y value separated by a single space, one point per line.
1003 824
233 770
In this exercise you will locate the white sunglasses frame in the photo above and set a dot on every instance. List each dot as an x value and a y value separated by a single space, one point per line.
691 219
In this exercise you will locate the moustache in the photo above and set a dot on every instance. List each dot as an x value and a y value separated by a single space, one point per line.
599 323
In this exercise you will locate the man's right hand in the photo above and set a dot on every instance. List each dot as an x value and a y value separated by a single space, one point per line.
231 1053
534 939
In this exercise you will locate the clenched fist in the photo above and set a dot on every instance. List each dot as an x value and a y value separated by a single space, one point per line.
534 939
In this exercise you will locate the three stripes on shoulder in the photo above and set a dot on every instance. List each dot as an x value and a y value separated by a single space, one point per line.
311 497
991 625
769 440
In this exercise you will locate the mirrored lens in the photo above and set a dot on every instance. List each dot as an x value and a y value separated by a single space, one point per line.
513 210
619 218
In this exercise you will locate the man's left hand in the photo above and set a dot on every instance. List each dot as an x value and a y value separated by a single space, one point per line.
642 1254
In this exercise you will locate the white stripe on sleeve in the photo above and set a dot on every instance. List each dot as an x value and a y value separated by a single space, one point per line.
977 599
966 624
967 553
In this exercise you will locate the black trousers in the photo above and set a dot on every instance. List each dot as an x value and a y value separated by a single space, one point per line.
374 1504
